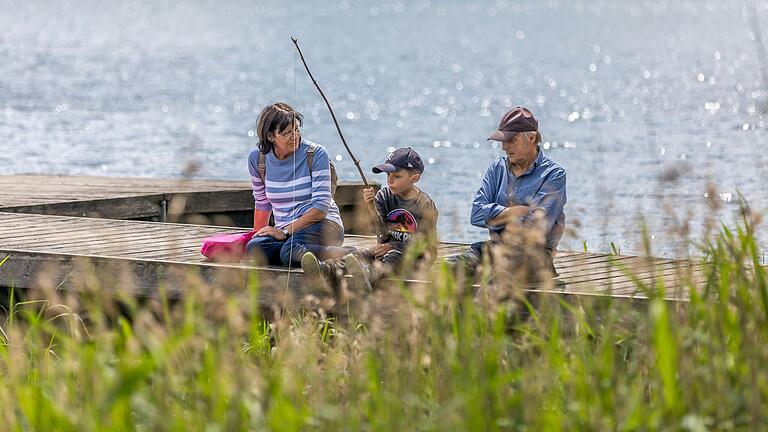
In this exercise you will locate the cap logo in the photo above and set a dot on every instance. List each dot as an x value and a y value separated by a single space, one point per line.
410 165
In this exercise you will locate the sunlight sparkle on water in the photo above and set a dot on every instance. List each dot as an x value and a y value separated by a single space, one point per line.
712 107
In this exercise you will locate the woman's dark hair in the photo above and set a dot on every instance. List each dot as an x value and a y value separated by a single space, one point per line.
274 119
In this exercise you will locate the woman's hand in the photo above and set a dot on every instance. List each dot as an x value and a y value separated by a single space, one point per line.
270 231
368 195
381 249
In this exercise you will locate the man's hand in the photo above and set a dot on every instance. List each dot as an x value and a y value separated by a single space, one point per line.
270 231
381 249
368 195
510 214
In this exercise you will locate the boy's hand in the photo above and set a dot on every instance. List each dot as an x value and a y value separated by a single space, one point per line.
381 249
368 195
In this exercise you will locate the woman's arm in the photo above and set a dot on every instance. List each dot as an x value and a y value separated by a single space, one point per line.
260 219
311 216
262 206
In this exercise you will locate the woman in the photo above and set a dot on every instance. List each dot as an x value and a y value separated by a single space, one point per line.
306 217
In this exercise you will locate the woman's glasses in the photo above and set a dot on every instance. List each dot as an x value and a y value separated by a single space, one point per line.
290 133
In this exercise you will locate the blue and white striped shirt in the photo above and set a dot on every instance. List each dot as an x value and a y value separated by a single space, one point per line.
291 187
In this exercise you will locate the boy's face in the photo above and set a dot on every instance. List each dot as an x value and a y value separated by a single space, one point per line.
402 180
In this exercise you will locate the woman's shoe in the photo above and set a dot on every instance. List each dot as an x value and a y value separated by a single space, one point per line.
316 272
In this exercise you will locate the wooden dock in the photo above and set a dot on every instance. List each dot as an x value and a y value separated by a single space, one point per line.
62 251
224 203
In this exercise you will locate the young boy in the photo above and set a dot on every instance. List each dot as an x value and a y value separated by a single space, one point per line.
408 216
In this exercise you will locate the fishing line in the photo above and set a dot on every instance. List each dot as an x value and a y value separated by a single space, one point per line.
294 137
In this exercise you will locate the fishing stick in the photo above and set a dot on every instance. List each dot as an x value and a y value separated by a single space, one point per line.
333 115
341 135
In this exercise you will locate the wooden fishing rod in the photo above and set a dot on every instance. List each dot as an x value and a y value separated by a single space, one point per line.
333 115
379 227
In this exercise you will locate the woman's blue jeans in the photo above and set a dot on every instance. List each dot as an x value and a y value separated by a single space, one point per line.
324 239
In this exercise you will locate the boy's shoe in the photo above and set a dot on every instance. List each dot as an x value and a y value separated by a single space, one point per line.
361 281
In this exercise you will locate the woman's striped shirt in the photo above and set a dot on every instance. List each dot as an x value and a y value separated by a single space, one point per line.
291 188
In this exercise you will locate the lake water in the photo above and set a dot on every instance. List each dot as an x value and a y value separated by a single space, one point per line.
653 107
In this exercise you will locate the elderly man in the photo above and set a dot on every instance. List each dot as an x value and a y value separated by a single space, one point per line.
522 195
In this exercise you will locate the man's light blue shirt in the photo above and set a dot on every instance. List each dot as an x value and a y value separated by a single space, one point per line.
542 188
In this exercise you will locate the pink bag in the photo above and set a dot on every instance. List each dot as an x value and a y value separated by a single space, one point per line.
226 247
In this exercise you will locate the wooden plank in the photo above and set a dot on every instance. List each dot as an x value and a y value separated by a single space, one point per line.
613 266
621 273
671 280
624 285
146 247
64 233
22 182
73 273
204 196
114 208
610 277
587 262
115 247
142 238
141 198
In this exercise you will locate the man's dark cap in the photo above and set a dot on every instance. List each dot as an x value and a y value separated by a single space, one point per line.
516 120
402 158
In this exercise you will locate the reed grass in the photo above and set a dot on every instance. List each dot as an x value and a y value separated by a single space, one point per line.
437 360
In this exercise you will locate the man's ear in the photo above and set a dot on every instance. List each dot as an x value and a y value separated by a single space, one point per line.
416 177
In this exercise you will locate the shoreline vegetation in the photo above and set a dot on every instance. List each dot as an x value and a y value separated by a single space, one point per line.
401 358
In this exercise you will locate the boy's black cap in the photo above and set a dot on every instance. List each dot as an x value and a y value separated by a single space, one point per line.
402 158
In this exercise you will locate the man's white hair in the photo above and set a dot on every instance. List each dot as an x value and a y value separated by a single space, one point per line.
533 134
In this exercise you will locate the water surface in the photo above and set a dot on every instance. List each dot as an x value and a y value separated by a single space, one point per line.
651 106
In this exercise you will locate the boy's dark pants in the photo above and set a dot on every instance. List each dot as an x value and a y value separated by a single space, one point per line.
391 259
392 262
